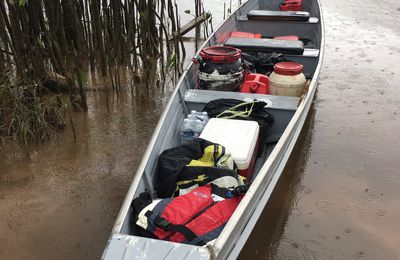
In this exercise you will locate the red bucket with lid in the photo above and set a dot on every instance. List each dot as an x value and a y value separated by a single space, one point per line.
220 68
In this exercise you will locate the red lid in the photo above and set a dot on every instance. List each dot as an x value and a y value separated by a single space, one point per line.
288 68
221 54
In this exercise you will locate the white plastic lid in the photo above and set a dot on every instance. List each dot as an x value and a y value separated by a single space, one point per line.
238 136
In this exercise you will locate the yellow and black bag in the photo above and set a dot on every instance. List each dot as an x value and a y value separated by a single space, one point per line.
186 167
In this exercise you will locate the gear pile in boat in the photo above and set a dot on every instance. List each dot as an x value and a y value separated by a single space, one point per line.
200 183
246 60
195 218
198 190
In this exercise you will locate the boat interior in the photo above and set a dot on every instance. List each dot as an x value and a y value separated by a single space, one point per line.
258 17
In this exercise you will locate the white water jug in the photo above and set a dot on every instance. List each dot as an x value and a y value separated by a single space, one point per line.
287 79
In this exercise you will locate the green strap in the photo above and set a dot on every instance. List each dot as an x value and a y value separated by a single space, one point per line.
235 113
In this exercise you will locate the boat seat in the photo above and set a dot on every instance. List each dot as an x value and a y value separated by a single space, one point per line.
266 45
278 15
273 102
303 29
121 246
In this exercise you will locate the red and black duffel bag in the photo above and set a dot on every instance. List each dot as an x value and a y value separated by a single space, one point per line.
196 218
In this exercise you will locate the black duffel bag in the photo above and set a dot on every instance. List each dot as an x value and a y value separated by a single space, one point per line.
197 163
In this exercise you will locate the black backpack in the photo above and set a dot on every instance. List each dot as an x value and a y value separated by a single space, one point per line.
197 163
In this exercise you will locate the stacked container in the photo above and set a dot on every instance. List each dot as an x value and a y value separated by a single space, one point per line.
193 125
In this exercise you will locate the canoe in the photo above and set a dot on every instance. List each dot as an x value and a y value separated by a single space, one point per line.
255 16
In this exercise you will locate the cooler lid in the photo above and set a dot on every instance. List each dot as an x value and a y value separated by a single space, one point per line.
238 136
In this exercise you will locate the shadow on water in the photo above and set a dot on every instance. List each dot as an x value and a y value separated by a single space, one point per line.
267 234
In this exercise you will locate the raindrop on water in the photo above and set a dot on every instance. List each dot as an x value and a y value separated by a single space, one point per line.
360 205
360 254
295 212
303 189
380 212
325 206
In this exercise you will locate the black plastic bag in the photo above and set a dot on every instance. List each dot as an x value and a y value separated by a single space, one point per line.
238 109
263 63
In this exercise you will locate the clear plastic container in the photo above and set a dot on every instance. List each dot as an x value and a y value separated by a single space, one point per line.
203 116
187 131
191 128
198 127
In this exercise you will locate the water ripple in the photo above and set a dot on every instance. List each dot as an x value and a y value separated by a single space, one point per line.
325 206
361 205
307 249
295 212
303 189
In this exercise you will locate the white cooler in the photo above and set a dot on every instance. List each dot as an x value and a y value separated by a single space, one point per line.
240 137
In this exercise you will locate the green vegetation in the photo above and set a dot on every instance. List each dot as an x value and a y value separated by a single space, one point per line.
28 112
49 46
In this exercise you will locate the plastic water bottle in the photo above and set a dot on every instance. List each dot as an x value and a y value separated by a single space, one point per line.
187 131
199 122
203 116
197 127
193 125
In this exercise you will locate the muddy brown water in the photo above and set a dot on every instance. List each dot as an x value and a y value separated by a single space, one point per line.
338 197
62 203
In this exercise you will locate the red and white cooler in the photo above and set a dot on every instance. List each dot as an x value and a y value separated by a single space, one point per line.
240 137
